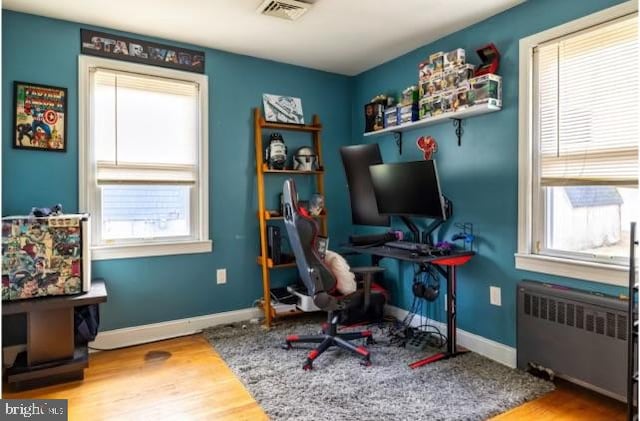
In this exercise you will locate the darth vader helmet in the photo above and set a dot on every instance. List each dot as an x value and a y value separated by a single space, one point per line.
305 159
276 152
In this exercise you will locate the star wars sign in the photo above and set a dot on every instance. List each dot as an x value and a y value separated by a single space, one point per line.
128 49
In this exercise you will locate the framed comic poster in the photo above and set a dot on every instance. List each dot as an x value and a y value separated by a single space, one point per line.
40 117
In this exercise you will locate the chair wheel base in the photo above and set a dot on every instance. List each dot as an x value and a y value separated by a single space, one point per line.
370 341
287 346
365 363
308 366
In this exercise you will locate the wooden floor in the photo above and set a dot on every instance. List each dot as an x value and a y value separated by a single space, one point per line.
567 402
185 379
178 379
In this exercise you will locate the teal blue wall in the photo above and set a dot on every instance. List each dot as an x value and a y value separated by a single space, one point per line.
148 290
481 177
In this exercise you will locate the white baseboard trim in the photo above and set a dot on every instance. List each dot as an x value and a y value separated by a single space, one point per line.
137 335
486 347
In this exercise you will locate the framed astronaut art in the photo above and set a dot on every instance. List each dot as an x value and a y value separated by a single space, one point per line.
40 117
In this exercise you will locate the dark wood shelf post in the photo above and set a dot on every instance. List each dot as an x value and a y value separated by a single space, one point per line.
52 356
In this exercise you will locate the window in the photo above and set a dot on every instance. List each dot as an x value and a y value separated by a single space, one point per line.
143 159
579 147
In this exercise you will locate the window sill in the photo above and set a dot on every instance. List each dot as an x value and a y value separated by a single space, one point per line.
130 251
588 271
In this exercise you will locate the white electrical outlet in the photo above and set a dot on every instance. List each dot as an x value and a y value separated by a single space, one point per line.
495 296
221 276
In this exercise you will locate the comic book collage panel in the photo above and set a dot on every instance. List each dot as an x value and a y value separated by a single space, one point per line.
41 257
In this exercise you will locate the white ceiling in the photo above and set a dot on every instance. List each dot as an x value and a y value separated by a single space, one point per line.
342 36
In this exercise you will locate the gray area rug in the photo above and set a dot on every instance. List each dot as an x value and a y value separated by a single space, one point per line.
469 387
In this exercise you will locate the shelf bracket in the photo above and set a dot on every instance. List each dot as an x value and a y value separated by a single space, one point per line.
398 137
457 123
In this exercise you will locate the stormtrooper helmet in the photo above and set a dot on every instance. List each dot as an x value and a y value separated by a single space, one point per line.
305 159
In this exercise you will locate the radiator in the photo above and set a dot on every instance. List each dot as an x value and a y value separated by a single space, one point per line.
578 335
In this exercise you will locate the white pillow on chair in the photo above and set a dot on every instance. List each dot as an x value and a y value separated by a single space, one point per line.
341 270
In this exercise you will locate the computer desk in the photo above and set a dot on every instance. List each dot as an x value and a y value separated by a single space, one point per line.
446 265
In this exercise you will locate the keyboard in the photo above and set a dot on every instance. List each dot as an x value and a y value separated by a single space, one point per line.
408 245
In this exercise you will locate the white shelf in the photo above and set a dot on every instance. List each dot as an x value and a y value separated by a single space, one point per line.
441 118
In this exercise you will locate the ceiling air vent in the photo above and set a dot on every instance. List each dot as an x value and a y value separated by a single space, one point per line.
284 9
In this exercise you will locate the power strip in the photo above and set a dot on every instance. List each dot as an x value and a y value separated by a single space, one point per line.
419 341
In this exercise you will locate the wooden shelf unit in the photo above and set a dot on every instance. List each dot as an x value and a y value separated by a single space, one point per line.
296 172
271 265
275 216
265 215
275 314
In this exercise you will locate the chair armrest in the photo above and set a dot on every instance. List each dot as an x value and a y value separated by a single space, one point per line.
367 278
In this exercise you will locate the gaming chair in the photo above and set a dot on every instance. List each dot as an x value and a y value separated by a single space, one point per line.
321 284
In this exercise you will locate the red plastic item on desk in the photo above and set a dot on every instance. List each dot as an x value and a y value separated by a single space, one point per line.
490 57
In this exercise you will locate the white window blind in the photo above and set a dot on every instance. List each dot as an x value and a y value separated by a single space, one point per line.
586 112
145 128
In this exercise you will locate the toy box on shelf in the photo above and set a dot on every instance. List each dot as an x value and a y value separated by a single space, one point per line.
430 106
442 76
437 59
447 83
432 86
374 115
407 113
460 74
460 101
441 62
391 116
44 256
490 57
424 107
454 58
409 96
447 101
485 89
425 70
408 105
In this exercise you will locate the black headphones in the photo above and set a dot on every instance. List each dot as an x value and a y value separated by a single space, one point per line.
428 292
423 290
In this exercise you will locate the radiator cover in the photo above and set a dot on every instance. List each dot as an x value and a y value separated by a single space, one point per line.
580 335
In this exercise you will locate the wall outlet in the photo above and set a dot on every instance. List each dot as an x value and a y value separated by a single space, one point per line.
495 296
221 276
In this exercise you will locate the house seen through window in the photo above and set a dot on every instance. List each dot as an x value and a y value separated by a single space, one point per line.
145 158
585 128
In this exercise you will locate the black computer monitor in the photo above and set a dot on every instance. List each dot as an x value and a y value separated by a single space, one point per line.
408 189
356 160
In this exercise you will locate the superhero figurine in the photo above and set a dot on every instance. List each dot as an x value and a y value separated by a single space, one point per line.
428 146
